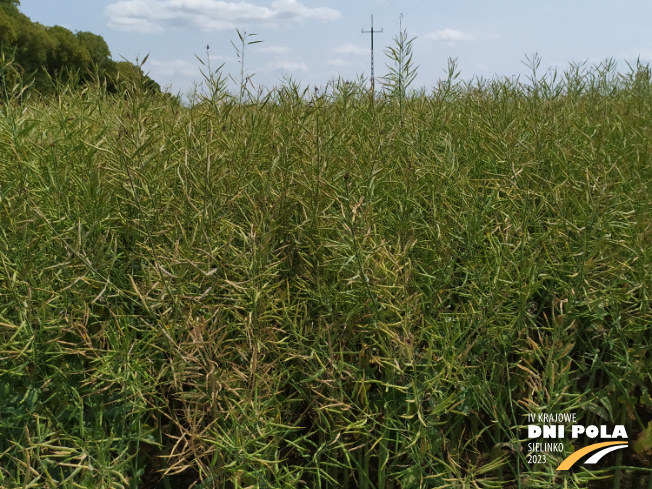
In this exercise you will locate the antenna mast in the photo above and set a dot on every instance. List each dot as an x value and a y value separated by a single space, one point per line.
372 50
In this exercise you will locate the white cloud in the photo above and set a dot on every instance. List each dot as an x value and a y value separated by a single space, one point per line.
291 66
351 49
451 35
272 49
283 66
134 24
340 63
207 15
173 67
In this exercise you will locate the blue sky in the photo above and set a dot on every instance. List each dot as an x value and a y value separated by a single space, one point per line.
313 41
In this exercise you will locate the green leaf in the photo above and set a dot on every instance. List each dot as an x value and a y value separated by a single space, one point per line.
643 443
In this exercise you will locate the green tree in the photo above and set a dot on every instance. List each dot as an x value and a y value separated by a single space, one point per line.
10 3
126 75
8 32
96 47
41 53
33 46
68 53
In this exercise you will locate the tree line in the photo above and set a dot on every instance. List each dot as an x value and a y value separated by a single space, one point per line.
45 55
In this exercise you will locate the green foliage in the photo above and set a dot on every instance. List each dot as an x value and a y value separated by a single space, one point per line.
126 75
33 47
51 56
240 52
9 7
67 54
96 47
8 29
293 294
402 71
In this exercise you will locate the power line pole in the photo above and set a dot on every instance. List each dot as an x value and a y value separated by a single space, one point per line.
372 50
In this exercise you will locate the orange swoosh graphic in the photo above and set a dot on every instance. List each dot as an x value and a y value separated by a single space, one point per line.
574 457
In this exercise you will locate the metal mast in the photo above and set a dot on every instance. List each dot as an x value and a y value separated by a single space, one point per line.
372 50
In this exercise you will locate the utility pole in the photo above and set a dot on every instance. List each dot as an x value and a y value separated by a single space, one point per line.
372 51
